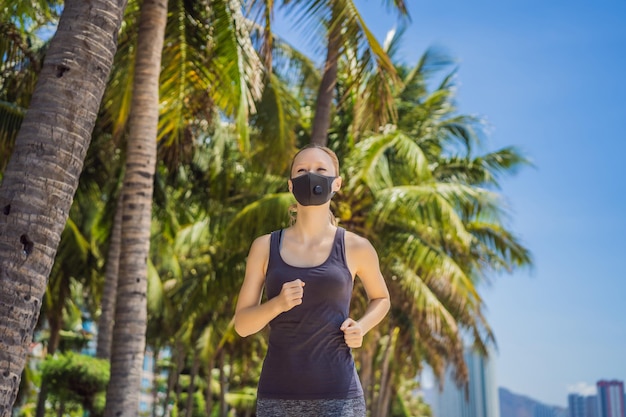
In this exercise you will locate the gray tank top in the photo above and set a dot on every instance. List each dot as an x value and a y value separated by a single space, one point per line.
307 357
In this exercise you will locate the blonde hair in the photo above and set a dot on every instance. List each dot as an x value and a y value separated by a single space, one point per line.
293 209
329 152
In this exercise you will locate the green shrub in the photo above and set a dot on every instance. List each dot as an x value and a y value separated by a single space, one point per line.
77 378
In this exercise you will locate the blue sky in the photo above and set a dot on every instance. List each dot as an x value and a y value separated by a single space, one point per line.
550 79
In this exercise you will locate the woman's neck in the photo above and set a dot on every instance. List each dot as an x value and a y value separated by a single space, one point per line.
312 222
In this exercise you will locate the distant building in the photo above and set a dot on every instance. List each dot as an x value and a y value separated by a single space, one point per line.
576 405
560 412
591 406
482 392
611 398
541 410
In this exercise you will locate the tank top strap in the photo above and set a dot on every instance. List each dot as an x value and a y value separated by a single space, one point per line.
339 245
275 240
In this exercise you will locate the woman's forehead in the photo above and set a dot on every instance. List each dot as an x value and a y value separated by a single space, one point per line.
313 155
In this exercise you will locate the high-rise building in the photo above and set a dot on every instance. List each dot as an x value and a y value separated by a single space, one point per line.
611 398
591 406
582 406
482 392
576 405
542 410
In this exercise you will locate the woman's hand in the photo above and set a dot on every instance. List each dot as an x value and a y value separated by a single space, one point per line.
352 333
290 295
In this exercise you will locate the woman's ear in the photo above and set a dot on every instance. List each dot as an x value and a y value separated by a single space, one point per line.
290 186
337 184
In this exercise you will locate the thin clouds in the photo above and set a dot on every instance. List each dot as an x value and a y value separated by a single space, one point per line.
582 388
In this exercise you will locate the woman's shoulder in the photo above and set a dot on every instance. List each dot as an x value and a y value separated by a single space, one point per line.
262 239
261 244
357 243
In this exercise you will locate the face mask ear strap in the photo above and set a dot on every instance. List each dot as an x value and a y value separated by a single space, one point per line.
332 182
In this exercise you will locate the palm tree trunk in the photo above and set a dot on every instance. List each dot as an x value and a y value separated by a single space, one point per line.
172 378
387 391
129 333
223 386
192 379
155 381
109 292
35 203
366 358
326 93
42 397
179 370
381 405
208 393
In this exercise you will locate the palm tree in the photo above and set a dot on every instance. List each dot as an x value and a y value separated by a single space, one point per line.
78 249
109 287
198 81
130 308
190 68
209 70
347 34
35 204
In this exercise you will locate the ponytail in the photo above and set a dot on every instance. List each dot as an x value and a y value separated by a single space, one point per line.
333 219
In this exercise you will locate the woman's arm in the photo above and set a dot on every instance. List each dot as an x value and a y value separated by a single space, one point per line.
250 314
363 260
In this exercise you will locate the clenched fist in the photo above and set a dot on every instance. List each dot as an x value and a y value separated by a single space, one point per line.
291 294
352 333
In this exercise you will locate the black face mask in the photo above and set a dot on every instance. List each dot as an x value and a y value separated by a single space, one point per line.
312 189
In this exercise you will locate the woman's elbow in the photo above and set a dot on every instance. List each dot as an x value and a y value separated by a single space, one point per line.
240 328
386 302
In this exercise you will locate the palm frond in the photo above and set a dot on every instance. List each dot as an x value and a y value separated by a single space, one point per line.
497 248
432 221
294 68
431 62
116 102
311 18
392 42
11 117
275 122
263 11
156 291
434 204
435 314
398 5
460 129
260 217
370 164
484 170
440 271
373 76
31 15
358 33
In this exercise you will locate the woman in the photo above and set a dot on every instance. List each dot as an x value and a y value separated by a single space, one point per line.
308 271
